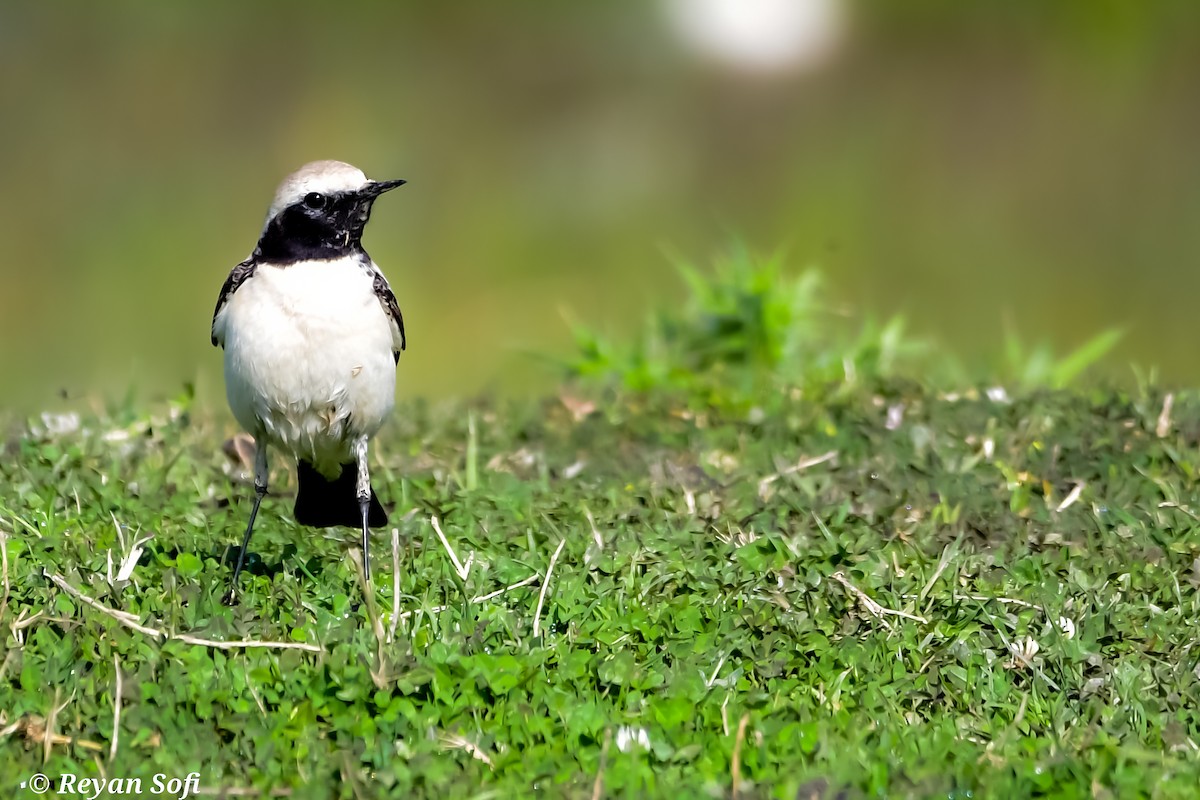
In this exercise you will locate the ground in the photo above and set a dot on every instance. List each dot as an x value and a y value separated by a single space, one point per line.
868 590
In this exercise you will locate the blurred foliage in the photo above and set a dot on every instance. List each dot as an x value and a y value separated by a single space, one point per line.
1039 367
951 161
749 324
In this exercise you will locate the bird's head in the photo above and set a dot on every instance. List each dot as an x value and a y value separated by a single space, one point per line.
319 211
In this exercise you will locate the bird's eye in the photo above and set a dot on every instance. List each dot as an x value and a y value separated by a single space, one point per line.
315 200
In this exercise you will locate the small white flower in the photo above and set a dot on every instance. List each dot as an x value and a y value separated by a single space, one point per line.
739 539
1067 626
629 737
1023 651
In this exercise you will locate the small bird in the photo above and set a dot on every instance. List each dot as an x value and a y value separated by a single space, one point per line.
312 335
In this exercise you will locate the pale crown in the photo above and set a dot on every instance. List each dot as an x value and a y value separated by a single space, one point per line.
324 177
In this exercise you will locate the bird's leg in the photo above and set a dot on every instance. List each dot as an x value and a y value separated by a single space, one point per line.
364 501
260 490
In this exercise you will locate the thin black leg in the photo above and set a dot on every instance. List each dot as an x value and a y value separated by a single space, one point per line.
364 503
230 598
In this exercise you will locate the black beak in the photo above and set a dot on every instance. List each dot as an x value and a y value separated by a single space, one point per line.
376 188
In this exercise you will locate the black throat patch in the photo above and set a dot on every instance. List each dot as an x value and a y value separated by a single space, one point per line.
300 233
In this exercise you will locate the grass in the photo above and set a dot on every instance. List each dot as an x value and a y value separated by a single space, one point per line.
750 326
782 585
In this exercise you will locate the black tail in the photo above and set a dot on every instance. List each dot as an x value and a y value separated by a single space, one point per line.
323 503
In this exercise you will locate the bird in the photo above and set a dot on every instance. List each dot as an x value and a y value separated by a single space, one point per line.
312 336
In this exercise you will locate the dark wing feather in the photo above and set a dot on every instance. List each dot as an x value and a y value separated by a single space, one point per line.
388 301
236 278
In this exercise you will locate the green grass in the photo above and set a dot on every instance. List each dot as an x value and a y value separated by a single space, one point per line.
750 326
711 613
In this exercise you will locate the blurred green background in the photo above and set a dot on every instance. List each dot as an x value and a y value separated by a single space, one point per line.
965 163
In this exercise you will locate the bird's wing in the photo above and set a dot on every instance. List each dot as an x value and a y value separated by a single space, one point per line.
236 278
388 300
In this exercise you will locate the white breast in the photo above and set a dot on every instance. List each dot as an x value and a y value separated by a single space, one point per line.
308 358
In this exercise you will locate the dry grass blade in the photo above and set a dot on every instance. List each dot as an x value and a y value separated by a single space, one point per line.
483 598
1163 427
22 622
112 750
391 634
1013 601
537 614
1071 497
474 600
459 567
456 742
247 644
124 617
799 466
876 610
1177 506
35 730
48 733
736 766
49 737
8 730
379 673
598 784
130 621
948 554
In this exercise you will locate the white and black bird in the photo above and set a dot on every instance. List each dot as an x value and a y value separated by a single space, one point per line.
312 335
